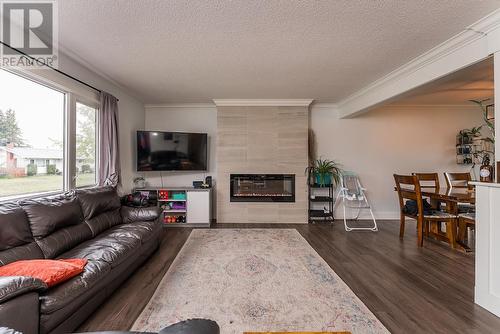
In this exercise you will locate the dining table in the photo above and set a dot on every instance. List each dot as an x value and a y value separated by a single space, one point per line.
451 197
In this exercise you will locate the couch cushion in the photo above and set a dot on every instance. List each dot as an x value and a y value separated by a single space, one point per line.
61 295
24 252
47 216
98 200
14 226
56 224
143 231
63 240
104 221
110 249
16 240
101 208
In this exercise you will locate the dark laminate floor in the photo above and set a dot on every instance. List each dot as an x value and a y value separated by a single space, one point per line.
410 290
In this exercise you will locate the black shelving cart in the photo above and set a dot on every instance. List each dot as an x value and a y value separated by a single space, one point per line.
321 202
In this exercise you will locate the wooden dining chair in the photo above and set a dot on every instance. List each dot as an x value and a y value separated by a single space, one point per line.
408 188
458 180
428 180
465 220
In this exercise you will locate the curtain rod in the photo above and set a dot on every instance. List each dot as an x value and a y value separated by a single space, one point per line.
52 68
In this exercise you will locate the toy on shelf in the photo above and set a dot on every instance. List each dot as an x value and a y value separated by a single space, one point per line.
174 219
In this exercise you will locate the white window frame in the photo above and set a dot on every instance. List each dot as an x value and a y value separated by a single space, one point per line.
73 93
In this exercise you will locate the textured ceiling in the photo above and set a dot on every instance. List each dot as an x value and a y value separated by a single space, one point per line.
472 83
193 51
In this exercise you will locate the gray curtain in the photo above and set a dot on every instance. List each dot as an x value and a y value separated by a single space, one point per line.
109 153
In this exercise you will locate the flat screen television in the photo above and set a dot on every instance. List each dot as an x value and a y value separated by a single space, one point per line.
171 151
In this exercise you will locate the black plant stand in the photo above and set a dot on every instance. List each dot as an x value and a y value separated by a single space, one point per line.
320 199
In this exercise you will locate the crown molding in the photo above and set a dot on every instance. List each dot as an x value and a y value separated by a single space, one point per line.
179 105
429 106
324 105
472 45
262 102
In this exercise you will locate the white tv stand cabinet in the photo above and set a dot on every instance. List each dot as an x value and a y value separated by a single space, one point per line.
194 204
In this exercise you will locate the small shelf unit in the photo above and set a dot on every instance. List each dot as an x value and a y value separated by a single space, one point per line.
321 203
470 149
182 207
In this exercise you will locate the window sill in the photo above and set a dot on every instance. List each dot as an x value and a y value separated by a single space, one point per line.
15 198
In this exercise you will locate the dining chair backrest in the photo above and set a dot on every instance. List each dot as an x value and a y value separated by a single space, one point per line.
458 180
408 188
428 180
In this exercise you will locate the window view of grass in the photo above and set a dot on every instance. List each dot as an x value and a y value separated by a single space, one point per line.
37 184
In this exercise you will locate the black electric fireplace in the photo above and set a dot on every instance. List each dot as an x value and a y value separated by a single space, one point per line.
262 187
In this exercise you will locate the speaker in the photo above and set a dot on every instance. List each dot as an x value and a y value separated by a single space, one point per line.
208 181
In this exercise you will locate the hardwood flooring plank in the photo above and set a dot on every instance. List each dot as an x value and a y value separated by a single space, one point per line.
410 289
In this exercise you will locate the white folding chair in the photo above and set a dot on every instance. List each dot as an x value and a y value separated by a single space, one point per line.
354 198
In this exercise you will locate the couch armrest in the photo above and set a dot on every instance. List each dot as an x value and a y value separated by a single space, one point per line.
12 286
19 303
131 215
192 326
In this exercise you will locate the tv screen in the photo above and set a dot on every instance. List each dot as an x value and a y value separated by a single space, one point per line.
171 151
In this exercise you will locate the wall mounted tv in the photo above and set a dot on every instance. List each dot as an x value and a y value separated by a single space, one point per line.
171 151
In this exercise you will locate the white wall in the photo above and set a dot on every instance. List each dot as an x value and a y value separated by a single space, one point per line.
183 118
391 140
131 114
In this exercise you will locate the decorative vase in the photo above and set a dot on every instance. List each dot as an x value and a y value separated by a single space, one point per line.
323 179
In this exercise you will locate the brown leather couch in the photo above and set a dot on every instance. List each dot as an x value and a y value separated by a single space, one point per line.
190 326
88 224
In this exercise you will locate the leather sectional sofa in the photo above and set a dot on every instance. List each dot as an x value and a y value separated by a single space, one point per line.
88 224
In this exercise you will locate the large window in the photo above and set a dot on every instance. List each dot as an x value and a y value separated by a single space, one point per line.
41 127
31 133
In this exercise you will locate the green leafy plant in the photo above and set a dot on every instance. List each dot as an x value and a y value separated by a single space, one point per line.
51 169
488 122
31 169
325 171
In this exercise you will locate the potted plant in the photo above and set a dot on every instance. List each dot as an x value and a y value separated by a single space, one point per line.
490 124
467 136
325 172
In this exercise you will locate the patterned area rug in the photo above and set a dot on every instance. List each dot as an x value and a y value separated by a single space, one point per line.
255 280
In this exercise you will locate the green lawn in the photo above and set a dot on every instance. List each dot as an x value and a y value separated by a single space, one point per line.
38 183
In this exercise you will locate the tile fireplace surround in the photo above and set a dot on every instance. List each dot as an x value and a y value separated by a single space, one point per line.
261 140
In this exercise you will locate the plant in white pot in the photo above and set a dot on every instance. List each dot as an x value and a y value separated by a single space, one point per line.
325 172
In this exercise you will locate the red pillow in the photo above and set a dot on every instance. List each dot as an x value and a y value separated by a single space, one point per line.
52 272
